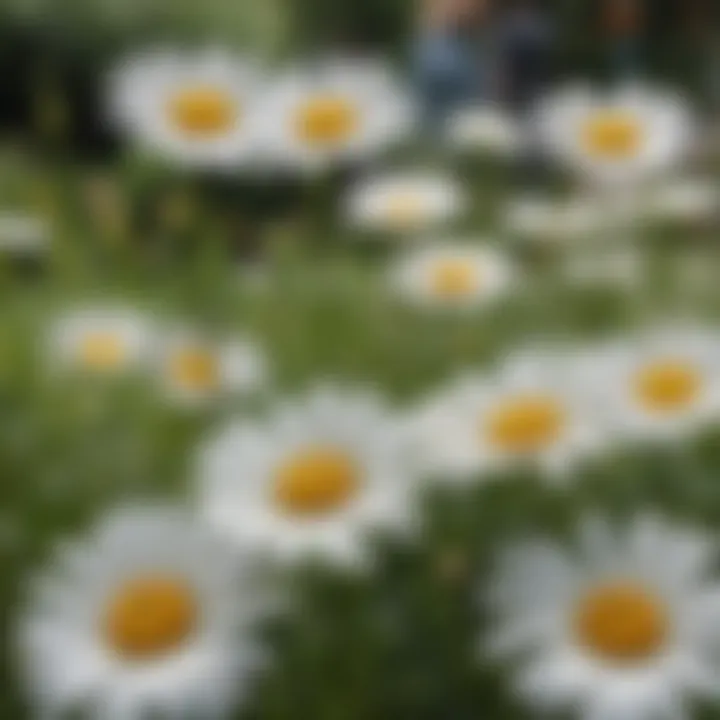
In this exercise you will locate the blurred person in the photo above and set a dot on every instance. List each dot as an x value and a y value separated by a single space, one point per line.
624 22
448 56
703 29
525 42
525 39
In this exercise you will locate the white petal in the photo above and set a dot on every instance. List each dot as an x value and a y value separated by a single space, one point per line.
556 679
598 544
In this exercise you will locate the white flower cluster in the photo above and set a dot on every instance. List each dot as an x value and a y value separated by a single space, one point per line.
155 611
214 111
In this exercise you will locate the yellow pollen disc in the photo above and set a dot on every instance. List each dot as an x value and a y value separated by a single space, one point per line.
668 386
622 623
404 210
203 111
525 424
149 617
316 481
612 135
327 121
455 278
195 369
102 351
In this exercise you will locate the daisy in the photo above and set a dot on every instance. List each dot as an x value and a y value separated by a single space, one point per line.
555 221
485 129
310 479
405 203
452 275
195 368
662 384
149 614
102 339
622 626
533 410
197 110
684 200
626 136
23 235
333 111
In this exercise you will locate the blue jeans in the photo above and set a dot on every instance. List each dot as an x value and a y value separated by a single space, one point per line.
446 73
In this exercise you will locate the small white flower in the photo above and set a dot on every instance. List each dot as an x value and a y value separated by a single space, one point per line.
624 625
193 109
684 200
662 383
23 235
405 203
452 275
151 613
571 221
629 135
195 368
310 480
484 129
102 339
333 111
532 410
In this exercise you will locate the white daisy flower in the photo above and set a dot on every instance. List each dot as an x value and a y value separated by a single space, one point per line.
661 384
406 203
102 339
684 200
484 129
333 111
23 235
309 480
623 267
623 626
555 221
197 110
626 136
452 275
533 410
149 614
195 368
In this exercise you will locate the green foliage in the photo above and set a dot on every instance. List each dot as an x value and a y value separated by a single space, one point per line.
382 24
244 24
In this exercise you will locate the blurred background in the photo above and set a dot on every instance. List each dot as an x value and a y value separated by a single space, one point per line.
54 53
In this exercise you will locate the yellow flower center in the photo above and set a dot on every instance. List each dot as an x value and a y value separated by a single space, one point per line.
666 387
195 369
612 135
525 424
455 278
203 111
327 121
149 617
404 211
102 351
316 481
622 623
